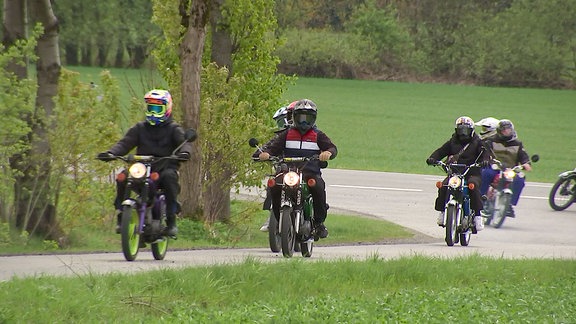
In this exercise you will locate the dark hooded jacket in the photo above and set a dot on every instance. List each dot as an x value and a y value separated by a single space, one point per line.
160 140
475 152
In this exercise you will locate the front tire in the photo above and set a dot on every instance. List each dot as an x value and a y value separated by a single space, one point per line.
287 232
562 194
129 233
274 238
499 211
450 225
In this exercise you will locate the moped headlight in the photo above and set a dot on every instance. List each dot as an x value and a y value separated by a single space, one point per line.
291 179
509 174
455 182
137 170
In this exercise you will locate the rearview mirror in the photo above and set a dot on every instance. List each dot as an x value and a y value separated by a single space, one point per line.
253 142
535 158
190 135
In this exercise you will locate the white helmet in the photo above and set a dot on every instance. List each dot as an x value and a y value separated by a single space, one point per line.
488 125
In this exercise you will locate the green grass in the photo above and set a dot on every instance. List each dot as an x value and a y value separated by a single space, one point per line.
413 289
393 126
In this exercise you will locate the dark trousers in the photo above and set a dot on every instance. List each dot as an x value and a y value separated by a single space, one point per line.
168 181
318 195
475 196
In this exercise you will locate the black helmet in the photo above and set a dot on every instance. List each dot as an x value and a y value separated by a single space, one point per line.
304 115
505 130
464 128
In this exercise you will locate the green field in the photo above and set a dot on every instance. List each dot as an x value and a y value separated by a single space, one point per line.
393 126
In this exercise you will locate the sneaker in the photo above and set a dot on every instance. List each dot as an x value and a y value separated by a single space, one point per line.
321 230
440 219
510 212
478 223
264 227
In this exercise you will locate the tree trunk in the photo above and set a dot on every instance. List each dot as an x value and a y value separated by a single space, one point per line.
217 194
36 180
191 51
13 29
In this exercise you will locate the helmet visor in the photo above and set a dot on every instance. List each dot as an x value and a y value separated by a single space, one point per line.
156 110
463 130
301 117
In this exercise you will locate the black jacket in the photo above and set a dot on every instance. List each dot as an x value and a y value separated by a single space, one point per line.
475 152
160 140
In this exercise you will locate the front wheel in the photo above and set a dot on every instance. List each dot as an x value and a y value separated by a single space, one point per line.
287 236
563 193
274 238
499 211
129 233
451 225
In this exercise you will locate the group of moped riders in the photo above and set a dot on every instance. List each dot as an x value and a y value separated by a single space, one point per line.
298 135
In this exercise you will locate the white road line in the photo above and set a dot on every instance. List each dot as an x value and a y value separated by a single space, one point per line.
375 188
533 197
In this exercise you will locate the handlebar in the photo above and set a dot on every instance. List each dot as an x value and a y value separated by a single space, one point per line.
130 158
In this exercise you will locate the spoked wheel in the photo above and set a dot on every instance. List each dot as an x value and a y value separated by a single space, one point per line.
287 232
159 248
451 226
499 210
274 237
129 233
562 194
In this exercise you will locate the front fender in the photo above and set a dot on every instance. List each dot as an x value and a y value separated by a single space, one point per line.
567 174
129 203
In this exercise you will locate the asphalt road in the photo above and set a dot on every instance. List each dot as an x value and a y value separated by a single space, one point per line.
405 199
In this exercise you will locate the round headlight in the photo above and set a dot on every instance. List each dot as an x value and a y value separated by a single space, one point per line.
509 174
137 170
454 182
291 179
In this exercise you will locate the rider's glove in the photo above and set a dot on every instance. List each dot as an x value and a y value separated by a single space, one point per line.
264 156
430 161
325 156
485 164
185 156
105 156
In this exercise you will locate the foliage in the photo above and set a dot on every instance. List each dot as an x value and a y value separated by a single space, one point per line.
86 123
237 107
18 101
323 53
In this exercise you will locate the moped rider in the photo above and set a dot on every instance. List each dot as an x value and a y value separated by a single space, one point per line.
488 127
508 149
303 138
159 135
463 147
283 120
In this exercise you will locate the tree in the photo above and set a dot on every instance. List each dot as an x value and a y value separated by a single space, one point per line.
34 209
237 96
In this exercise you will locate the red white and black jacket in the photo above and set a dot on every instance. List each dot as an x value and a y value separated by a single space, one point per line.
291 143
